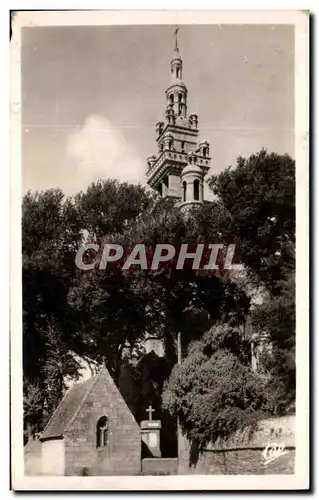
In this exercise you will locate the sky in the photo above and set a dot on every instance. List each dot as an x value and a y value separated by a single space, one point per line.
91 97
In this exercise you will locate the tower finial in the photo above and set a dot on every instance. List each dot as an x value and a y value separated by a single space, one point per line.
175 34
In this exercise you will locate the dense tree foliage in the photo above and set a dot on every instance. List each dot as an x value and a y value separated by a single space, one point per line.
103 314
276 319
212 394
58 302
257 199
50 233
107 206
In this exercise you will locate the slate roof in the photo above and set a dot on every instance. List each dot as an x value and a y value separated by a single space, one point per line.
72 401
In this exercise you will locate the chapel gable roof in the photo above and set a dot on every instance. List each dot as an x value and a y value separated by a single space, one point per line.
68 407
73 401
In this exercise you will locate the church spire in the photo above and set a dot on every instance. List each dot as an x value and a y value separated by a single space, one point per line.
176 93
176 63
176 42
178 168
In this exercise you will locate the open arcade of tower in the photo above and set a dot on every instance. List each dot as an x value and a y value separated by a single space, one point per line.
181 163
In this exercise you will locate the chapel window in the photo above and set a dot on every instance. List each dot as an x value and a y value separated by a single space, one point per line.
102 432
196 189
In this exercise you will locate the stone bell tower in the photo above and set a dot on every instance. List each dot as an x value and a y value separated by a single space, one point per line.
178 168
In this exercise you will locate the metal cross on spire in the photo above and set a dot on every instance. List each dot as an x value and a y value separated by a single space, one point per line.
175 34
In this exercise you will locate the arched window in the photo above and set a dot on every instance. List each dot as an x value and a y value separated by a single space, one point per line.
177 71
171 99
196 189
170 145
184 190
180 97
205 152
102 432
161 148
183 146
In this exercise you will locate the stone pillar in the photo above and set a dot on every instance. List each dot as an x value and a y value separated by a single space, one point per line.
174 184
165 186
150 431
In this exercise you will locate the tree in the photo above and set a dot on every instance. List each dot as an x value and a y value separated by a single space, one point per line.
59 366
108 313
50 233
114 308
32 409
177 300
109 316
103 315
107 206
57 302
213 392
275 318
257 200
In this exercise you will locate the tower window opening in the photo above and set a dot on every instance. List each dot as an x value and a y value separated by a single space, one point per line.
205 152
161 148
171 99
177 72
184 190
180 97
183 146
196 189
170 145
102 432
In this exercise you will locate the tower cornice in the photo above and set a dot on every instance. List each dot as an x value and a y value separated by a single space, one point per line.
179 84
179 129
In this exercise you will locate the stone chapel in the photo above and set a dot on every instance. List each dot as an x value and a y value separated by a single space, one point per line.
92 432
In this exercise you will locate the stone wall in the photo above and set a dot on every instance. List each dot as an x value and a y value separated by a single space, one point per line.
242 454
53 457
32 458
159 466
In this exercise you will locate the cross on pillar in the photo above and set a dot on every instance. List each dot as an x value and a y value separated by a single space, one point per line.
150 411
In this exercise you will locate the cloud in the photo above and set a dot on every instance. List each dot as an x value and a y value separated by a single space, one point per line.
99 150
